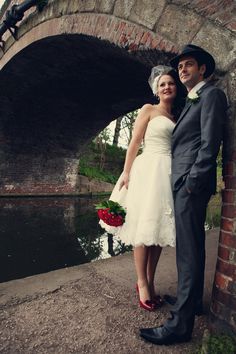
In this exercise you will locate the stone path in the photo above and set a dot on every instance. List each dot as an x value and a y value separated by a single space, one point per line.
92 308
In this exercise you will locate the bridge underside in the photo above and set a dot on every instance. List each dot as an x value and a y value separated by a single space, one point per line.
56 94
61 91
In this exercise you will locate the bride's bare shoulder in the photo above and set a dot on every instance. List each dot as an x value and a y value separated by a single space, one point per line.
147 108
145 112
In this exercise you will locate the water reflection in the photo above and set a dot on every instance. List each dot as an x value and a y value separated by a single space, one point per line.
42 234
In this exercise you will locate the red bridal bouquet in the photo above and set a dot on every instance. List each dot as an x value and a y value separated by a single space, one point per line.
112 213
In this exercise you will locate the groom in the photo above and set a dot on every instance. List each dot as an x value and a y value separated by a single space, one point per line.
195 144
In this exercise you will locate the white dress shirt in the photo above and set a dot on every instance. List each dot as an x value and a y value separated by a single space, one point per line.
197 87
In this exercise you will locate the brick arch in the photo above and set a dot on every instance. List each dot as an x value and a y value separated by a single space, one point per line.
129 36
153 33
139 24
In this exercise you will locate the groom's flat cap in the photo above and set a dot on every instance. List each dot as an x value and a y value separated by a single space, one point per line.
198 53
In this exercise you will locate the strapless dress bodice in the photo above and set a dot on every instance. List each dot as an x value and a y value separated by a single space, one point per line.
158 135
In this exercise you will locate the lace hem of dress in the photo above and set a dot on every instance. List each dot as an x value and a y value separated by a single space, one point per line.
146 233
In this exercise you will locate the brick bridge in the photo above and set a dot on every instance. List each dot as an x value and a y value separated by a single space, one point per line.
79 64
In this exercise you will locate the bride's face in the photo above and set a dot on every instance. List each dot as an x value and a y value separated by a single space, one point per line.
166 89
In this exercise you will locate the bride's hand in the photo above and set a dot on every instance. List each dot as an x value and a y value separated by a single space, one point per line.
124 180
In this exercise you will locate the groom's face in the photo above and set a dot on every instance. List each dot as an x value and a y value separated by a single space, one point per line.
190 73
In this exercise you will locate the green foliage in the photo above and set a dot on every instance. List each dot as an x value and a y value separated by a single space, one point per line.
127 125
218 344
95 172
219 158
115 152
213 215
213 220
89 164
105 135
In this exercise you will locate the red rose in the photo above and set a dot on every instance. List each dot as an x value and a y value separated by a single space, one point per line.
112 213
110 218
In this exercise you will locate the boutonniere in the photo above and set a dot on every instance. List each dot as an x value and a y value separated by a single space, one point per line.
193 97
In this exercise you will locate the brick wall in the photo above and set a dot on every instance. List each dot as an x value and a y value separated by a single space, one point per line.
224 291
223 308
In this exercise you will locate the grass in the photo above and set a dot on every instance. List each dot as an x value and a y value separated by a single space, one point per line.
213 215
95 172
217 344
90 163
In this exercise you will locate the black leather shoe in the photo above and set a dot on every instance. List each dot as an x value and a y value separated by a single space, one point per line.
170 299
199 311
161 336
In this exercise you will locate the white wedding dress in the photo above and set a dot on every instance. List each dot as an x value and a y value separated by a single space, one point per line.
148 199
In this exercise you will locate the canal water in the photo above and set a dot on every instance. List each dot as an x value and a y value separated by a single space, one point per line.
38 235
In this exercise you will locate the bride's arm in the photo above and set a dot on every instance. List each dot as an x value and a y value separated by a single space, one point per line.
140 126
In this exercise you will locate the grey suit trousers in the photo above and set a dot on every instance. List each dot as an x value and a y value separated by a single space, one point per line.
190 214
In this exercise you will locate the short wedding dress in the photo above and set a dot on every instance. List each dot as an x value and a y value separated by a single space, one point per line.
148 199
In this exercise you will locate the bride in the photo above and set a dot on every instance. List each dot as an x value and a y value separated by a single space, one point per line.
144 187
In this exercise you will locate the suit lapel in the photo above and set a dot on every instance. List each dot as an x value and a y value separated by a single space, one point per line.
203 88
188 105
185 110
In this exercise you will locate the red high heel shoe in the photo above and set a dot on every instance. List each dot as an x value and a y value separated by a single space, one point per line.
146 305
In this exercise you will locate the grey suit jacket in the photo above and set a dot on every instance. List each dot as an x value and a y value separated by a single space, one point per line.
196 141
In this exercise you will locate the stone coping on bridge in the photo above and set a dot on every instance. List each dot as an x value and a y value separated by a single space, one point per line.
53 195
85 187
